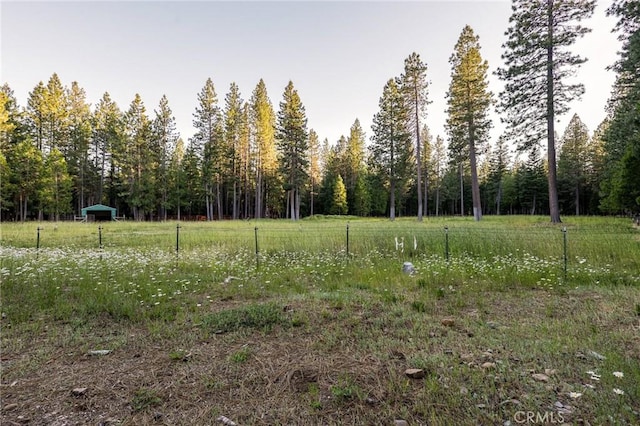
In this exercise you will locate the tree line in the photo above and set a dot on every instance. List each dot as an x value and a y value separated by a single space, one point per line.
248 159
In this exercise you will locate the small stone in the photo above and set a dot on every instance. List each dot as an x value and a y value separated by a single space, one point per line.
400 423
492 324
10 407
549 372
448 322
540 377
99 352
415 373
481 405
448 352
597 356
79 391
408 268
463 390
487 355
488 365
371 401
558 404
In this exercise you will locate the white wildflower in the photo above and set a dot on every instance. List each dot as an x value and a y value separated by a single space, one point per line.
618 374
575 395
618 391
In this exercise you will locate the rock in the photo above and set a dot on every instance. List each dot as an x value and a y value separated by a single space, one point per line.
597 356
448 352
415 373
408 268
9 407
79 391
540 377
400 423
371 401
487 355
464 391
226 421
558 404
99 352
488 365
448 322
549 371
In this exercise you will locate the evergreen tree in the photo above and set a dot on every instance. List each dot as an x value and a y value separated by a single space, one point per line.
498 168
438 166
572 164
354 167
79 133
26 164
314 167
55 123
391 143
137 161
293 144
208 144
469 99
56 185
165 136
6 188
232 134
263 125
414 86
621 185
339 200
36 115
538 65
106 138
12 129
176 179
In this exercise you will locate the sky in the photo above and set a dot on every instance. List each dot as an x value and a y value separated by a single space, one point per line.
338 54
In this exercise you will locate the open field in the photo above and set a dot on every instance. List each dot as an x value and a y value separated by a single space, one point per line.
314 330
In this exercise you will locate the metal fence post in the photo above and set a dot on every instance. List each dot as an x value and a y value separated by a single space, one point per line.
446 243
347 239
38 243
257 253
564 238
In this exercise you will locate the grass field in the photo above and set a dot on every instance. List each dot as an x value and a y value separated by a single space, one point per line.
274 322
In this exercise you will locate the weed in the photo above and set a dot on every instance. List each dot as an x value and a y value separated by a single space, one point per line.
240 356
145 398
255 316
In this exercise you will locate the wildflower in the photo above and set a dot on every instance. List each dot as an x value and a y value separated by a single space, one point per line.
575 395
618 391
618 374
589 385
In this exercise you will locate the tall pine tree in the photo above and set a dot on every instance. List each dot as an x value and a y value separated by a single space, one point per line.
469 99
293 143
538 64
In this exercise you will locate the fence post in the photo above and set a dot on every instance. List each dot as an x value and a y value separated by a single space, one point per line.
38 243
347 240
177 241
255 230
100 237
564 238
446 243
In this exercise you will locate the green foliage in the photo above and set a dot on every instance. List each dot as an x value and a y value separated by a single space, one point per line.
259 316
145 398
573 164
339 201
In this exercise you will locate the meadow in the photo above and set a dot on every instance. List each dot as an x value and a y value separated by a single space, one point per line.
509 320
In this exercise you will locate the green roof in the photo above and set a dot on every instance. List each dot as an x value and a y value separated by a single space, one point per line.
99 208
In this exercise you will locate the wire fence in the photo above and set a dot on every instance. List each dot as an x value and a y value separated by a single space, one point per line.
401 240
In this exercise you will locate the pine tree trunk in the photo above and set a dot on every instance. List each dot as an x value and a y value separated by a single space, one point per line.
418 159
475 185
554 210
461 190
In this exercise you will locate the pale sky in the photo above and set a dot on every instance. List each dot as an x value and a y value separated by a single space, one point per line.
338 54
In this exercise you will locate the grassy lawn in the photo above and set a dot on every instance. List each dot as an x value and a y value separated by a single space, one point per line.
312 327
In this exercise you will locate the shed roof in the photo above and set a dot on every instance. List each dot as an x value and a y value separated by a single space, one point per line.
98 208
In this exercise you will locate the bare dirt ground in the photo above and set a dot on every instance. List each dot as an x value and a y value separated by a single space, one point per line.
340 364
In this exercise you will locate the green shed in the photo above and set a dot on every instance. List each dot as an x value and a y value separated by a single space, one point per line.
98 212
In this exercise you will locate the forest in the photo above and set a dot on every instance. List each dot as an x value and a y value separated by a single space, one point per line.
248 158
